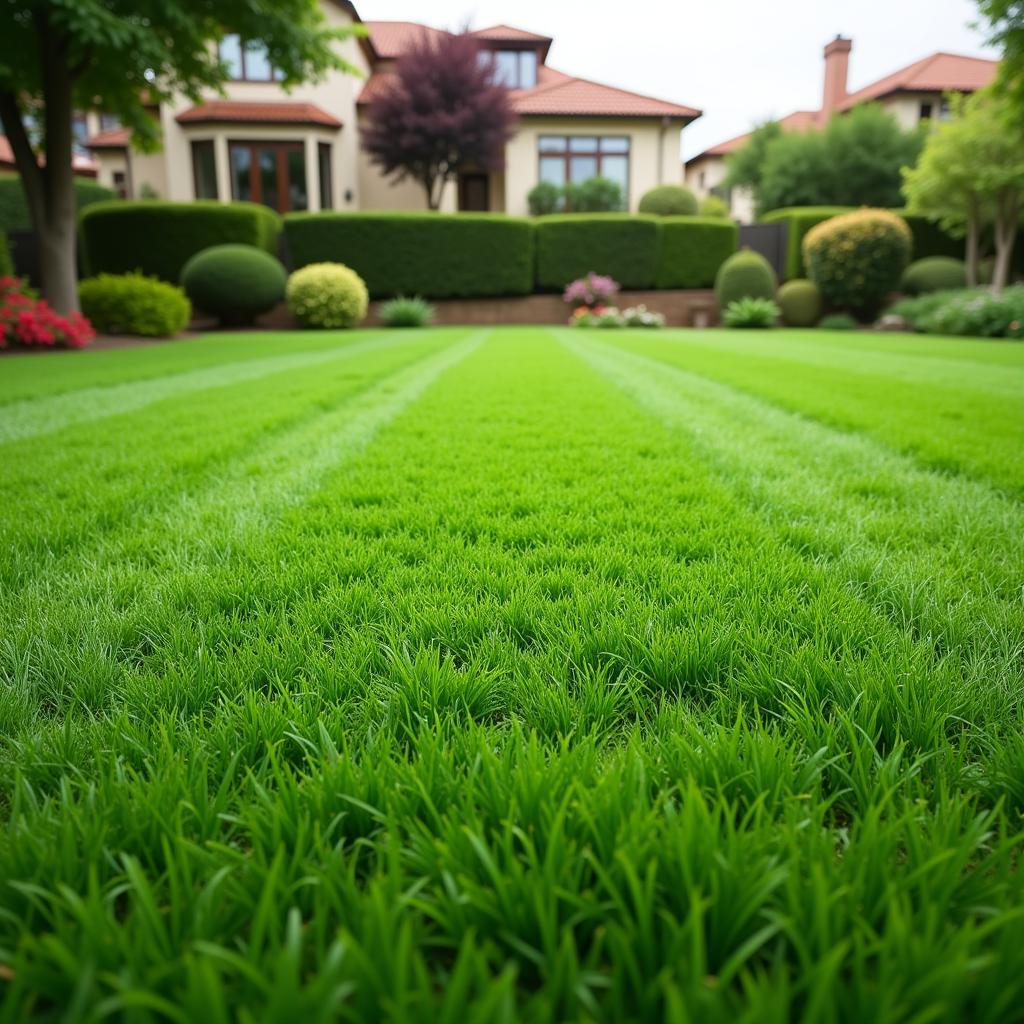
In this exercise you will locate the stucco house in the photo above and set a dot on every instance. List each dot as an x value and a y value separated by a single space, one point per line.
301 151
912 94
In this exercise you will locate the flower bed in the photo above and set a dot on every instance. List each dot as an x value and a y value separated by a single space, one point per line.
29 322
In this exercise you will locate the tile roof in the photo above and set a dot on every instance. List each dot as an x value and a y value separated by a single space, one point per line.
392 38
798 121
940 72
114 138
263 113
507 33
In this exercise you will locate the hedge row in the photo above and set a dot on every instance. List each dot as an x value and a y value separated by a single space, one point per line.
443 256
14 215
929 238
159 238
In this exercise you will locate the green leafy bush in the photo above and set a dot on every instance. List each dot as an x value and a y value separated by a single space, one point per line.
570 246
134 304
435 255
838 322
968 312
744 275
158 238
756 314
327 295
6 262
858 258
14 212
691 250
934 274
714 206
668 201
544 198
595 195
407 312
235 283
800 302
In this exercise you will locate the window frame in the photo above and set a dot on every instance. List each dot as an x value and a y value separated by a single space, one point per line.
567 153
325 158
276 75
281 148
206 145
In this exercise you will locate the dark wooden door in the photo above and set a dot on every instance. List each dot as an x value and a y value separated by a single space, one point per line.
271 173
475 193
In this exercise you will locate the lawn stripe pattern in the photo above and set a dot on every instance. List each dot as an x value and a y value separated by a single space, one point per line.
559 685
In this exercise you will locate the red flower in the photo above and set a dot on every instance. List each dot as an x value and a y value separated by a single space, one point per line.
26 320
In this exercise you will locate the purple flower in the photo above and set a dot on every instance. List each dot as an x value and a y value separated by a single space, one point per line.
592 290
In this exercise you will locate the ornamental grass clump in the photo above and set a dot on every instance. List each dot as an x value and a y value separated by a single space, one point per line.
327 295
857 259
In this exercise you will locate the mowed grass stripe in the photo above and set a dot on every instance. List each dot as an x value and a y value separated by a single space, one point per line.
33 417
528 713
964 415
934 551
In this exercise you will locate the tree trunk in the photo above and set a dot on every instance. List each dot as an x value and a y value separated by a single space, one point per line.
973 247
50 190
1007 218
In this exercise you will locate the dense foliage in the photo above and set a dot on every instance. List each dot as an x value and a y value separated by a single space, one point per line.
438 256
234 283
839 322
855 160
6 260
857 259
745 165
327 296
624 247
972 312
744 275
545 197
594 195
933 274
800 303
158 238
714 206
26 321
407 311
134 304
524 675
691 250
441 111
669 201
14 211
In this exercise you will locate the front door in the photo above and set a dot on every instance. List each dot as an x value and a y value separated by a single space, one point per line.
271 173
475 193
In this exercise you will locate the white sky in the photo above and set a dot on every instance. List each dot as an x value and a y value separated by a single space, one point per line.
740 61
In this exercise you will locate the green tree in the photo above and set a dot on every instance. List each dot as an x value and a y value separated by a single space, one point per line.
855 161
1006 19
118 56
744 165
971 177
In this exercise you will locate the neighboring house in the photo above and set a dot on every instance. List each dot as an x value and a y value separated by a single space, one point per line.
913 94
81 162
300 150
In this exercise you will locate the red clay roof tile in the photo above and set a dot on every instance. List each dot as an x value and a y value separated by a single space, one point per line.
263 113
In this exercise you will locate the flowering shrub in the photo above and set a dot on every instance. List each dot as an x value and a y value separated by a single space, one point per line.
599 316
970 312
327 295
29 321
641 316
591 291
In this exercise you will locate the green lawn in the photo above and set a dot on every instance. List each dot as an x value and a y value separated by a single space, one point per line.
474 676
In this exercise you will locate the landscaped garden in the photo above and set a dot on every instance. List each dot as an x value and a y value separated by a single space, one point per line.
513 674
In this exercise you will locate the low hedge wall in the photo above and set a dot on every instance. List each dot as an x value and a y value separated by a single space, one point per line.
158 238
929 238
622 246
14 214
691 249
434 255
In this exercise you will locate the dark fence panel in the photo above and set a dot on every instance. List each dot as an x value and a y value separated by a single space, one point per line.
770 241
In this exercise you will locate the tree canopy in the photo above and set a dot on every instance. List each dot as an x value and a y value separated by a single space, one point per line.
1006 19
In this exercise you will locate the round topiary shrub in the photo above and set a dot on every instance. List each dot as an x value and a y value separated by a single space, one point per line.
858 258
134 304
800 302
715 206
327 295
669 201
744 275
934 274
235 283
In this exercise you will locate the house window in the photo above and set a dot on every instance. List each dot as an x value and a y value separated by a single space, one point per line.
574 158
247 61
271 173
79 133
700 179
109 122
323 154
514 69
120 182
204 169
926 111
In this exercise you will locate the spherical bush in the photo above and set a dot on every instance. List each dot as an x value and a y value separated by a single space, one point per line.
858 258
744 275
934 274
800 302
235 283
327 295
669 201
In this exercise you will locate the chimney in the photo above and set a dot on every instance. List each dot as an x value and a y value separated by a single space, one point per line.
837 63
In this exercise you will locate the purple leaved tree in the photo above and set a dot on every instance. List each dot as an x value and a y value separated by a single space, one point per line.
442 112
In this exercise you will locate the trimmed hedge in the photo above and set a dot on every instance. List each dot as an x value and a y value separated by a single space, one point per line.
929 238
134 304
691 249
6 262
934 274
622 246
158 238
435 255
233 282
14 215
